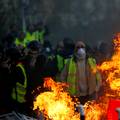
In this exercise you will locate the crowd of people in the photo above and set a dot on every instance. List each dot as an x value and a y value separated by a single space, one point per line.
26 59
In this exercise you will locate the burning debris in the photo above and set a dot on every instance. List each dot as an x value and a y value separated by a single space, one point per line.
56 104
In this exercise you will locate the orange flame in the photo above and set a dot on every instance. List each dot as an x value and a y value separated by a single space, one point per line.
96 110
56 104
110 70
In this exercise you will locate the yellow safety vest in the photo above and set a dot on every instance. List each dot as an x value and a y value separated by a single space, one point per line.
41 36
18 42
60 62
72 76
29 37
19 92
71 79
92 63
36 35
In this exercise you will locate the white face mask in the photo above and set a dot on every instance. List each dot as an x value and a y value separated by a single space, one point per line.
81 53
48 49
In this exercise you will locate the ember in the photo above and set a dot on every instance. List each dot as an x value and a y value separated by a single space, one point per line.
56 104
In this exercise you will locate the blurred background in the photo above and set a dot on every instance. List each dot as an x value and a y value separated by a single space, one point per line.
90 20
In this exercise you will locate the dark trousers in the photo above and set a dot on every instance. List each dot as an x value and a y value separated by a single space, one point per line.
84 99
82 117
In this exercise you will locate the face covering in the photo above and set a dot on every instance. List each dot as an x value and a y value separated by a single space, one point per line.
48 50
81 54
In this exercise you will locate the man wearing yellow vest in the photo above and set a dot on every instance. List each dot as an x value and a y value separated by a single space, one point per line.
59 58
19 91
23 74
81 74
20 88
30 36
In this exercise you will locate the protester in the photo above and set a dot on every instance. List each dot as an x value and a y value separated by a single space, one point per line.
80 73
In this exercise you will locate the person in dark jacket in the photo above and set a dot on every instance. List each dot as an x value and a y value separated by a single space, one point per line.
6 84
50 66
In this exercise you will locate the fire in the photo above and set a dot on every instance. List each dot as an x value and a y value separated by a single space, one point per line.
55 103
96 110
110 70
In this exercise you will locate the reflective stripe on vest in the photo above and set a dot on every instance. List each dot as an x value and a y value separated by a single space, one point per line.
20 91
72 76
